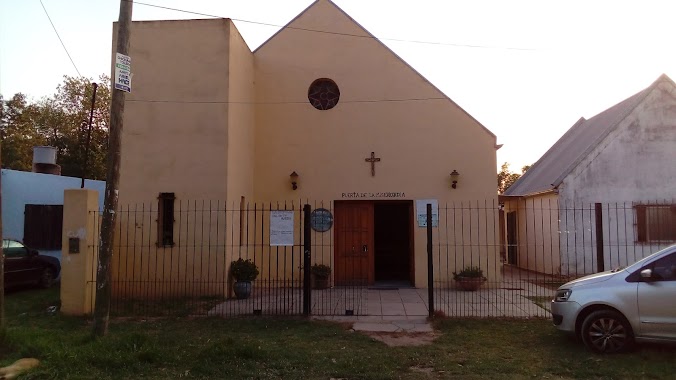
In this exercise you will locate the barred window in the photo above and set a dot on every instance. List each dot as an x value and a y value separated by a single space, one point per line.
165 220
655 223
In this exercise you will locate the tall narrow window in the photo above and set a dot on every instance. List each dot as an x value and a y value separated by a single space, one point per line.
165 220
655 223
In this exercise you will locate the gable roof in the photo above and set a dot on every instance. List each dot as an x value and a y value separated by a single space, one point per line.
550 170
368 34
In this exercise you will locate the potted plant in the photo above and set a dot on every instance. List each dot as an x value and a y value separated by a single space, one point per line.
470 278
243 271
320 276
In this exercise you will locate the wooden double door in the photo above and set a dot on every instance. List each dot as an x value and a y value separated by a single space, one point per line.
373 242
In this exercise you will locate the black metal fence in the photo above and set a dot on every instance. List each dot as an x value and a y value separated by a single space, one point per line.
524 249
183 269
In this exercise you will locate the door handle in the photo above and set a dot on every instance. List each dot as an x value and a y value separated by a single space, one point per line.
365 248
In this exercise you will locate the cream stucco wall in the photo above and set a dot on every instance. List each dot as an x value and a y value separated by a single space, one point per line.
241 120
210 121
537 232
175 140
419 141
175 123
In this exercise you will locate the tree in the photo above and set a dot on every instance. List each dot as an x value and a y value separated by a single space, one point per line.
17 133
60 121
506 178
63 121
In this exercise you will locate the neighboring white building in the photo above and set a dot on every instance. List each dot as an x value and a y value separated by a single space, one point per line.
22 189
620 164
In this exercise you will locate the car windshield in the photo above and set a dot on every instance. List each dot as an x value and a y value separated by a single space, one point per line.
640 263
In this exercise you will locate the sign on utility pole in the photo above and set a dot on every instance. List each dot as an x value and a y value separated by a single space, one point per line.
122 70
104 275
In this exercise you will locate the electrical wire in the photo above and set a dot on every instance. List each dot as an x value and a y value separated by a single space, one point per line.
334 33
279 103
60 40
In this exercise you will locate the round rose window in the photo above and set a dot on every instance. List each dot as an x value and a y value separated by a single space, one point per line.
323 94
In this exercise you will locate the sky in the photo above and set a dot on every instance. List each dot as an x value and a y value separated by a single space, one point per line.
526 69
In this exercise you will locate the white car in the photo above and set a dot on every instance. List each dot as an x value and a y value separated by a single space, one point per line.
611 310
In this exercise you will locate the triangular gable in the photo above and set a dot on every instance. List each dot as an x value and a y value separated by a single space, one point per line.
363 33
576 144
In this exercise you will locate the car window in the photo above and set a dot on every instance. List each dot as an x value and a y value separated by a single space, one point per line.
14 244
664 269
12 248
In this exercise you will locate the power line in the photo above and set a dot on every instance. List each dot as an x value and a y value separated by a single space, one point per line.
279 103
335 33
62 44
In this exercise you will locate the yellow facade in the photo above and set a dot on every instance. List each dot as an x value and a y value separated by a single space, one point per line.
211 121
536 231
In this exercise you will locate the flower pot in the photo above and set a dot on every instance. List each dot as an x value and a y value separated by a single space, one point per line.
319 282
470 283
242 289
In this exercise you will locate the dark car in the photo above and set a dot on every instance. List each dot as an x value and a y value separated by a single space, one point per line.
24 265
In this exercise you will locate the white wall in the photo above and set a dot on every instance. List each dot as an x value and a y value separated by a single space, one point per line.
636 163
22 188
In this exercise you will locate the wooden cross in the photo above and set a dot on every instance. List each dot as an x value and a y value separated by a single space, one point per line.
373 161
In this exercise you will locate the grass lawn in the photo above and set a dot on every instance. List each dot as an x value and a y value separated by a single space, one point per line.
262 348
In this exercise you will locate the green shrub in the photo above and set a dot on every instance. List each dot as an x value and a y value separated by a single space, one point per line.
243 270
321 270
471 271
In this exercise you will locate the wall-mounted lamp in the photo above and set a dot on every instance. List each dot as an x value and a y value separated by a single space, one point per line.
294 180
454 178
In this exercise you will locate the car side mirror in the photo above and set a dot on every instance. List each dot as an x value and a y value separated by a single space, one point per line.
647 274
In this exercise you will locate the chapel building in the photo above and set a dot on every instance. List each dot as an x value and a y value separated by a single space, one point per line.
322 113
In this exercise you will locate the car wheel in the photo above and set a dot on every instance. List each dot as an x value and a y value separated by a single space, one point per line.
607 331
47 278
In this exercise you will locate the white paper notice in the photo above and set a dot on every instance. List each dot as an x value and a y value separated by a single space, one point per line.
421 212
281 228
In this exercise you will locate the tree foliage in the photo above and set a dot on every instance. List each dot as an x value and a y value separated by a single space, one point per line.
506 178
61 121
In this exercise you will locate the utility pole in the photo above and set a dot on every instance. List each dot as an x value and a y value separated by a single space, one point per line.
3 323
89 136
104 272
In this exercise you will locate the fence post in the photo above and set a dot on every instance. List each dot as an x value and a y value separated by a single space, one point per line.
80 241
430 262
306 260
600 265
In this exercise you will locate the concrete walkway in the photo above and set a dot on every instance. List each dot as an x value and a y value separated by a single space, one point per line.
517 295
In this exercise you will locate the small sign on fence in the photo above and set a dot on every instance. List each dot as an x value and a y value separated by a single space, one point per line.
421 212
281 228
